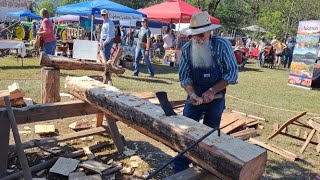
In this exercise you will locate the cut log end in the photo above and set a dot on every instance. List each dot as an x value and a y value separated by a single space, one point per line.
254 168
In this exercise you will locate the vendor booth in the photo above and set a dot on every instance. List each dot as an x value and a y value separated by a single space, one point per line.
305 67
91 9
173 11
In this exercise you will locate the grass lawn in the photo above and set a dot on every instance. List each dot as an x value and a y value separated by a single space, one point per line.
256 86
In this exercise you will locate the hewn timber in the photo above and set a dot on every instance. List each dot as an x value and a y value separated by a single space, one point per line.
73 64
224 156
43 112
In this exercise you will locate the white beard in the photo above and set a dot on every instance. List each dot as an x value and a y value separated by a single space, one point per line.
201 55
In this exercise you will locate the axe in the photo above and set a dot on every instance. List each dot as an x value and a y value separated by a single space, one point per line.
168 106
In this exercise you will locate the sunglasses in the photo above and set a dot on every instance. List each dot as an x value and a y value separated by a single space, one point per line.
201 35
103 14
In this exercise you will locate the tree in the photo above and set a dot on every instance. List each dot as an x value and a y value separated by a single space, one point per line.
49 5
205 5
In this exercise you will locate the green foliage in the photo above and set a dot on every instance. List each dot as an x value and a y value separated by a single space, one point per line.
49 5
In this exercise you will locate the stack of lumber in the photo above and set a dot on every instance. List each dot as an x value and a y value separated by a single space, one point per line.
238 126
16 95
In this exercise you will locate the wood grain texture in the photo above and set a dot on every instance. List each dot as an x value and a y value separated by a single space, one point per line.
50 85
74 64
43 112
224 156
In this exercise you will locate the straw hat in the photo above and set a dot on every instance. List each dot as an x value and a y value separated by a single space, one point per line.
199 23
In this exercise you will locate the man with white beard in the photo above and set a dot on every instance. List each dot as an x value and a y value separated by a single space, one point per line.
207 67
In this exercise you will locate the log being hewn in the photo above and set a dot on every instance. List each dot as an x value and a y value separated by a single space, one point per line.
74 64
224 156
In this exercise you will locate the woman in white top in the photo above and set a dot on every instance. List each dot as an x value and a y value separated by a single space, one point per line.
168 40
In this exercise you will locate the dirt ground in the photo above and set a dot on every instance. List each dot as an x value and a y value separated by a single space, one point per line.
152 152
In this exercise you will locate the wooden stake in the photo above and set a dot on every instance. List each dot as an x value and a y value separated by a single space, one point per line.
50 88
15 132
284 153
307 141
99 119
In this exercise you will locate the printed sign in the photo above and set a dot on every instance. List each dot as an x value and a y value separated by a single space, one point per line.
305 54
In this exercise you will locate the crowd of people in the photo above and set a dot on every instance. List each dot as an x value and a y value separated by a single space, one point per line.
279 51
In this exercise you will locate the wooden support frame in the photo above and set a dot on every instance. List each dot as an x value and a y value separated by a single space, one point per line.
290 121
52 111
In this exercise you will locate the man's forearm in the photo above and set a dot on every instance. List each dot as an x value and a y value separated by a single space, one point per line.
189 89
148 43
221 85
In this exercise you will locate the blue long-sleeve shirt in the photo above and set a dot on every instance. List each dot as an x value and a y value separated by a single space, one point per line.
226 61
107 31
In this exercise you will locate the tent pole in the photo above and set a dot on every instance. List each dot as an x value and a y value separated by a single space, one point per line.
178 33
92 16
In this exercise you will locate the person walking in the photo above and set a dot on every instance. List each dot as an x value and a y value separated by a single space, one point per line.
261 46
46 31
289 52
107 33
142 49
207 67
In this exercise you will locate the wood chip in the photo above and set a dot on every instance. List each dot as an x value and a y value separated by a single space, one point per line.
27 128
44 129
260 126
127 170
89 138
64 166
41 172
78 125
110 161
24 132
92 177
94 166
129 152
88 153
28 101
10 171
74 175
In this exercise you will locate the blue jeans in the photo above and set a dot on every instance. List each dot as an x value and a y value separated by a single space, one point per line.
212 117
107 49
140 53
288 61
50 48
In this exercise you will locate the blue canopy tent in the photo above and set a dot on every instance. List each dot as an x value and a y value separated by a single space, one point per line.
116 11
24 14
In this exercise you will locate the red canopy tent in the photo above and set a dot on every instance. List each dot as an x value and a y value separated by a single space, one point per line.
173 11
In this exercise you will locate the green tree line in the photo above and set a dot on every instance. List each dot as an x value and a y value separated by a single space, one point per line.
278 17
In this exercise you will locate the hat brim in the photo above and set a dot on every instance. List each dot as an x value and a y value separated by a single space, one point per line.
187 31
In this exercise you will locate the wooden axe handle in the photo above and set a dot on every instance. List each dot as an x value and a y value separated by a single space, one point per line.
180 103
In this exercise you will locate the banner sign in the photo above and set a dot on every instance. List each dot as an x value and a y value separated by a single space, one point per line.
306 50
12 6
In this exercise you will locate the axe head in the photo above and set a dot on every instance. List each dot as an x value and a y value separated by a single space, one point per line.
165 104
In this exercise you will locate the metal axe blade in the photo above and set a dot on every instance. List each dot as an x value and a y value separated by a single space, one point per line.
165 104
